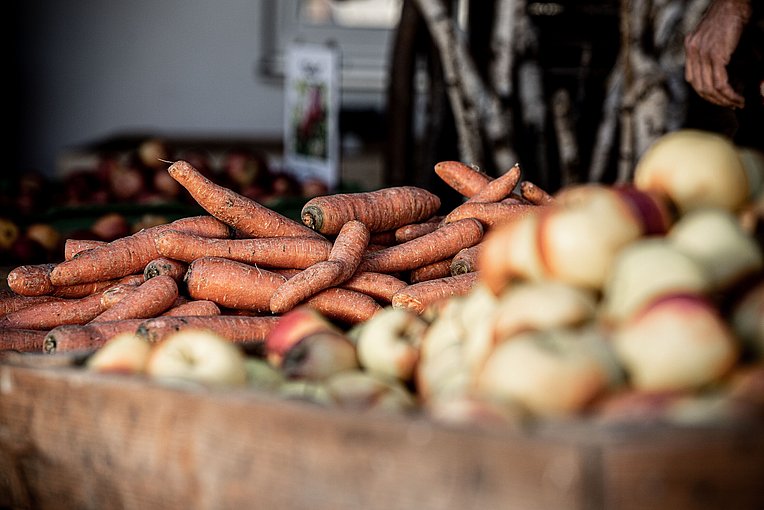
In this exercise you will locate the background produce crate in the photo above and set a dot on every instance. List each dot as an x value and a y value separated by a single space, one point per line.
75 439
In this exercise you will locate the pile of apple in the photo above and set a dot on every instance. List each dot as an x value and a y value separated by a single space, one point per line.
615 302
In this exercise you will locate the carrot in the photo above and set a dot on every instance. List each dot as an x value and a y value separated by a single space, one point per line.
235 328
116 293
500 187
198 307
438 245
74 246
380 210
384 238
149 299
490 214
343 305
344 258
534 194
86 337
31 279
55 313
10 301
245 215
129 254
414 230
431 271
380 286
289 252
22 340
418 296
232 284
466 260
463 178
175 269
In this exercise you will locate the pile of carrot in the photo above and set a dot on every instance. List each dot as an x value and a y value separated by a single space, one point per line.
237 269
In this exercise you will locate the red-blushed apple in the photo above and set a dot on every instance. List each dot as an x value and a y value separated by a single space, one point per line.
694 169
126 182
292 327
364 391
746 385
167 187
648 268
389 344
475 312
747 319
654 210
581 234
319 355
154 152
110 226
125 353
675 342
198 355
552 373
715 238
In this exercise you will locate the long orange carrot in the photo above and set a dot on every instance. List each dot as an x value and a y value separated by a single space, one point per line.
129 254
74 246
117 292
489 214
534 194
414 230
55 313
10 301
232 284
500 187
270 252
343 305
198 307
463 178
245 215
86 337
34 280
380 210
431 271
22 340
466 260
344 258
149 299
175 269
418 296
234 328
380 286
438 245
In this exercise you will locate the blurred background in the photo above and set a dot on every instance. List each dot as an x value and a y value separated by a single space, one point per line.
102 91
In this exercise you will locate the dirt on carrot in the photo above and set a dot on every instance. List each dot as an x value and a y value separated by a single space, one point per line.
268 252
440 244
466 261
175 269
431 271
74 246
380 210
149 299
534 194
418 297
232 284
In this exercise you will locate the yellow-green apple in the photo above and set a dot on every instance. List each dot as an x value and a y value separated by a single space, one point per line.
389 344
675 342
648 268
262 375
305 390
551 373
198 355
747 319
694 169
715 238
361 390
125 353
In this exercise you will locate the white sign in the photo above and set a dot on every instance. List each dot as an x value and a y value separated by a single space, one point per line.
311 131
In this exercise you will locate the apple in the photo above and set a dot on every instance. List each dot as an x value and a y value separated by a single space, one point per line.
715 238
9 232
319 355
646 269
154 152
45 234
472 411
389 344
292 327
694 169
747 319
198 355
361 390
125 353
305 390
110 226
262 375
675 342
551 373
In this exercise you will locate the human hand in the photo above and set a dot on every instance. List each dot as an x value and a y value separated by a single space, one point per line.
709 47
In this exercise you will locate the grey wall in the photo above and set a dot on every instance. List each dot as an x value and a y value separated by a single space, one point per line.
89 69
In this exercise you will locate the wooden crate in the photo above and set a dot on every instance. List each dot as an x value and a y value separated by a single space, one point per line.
74 439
